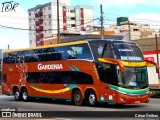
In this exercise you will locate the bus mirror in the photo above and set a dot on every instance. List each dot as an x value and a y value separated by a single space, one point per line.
156 65
113 61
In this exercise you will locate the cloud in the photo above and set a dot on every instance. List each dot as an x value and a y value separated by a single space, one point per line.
18 19
125 2
15 38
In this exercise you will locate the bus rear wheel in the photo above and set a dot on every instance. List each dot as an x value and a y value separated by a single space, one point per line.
92 99
17 95
77 98
25 96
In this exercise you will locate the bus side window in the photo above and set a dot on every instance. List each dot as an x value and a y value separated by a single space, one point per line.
107 52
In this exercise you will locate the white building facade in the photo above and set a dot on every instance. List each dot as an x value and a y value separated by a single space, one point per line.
152 75
43 20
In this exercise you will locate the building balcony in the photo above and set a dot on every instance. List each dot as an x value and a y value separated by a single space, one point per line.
39 43
39 28
39 14
64 20
82 28
39 36
64 28
39 21
82 15
64 13
82 21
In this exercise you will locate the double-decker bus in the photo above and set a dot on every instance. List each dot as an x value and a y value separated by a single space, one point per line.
112 71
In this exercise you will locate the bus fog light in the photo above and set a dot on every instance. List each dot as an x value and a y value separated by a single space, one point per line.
122 99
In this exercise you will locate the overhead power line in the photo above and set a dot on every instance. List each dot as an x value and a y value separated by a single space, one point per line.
133 17
9 27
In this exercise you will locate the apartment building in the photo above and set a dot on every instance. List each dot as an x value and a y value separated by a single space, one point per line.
43 20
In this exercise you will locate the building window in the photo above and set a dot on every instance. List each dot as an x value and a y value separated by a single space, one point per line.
44 8
30 20
49 22
49 7
72 18
29 13
30 27
73 25
49 15
72 11
30 41
37 10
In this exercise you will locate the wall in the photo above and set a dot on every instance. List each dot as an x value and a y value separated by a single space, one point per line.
152 75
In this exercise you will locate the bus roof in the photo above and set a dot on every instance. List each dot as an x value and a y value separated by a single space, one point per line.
109 40
69 43
48 46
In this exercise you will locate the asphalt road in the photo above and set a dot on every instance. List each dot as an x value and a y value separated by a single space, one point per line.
43 105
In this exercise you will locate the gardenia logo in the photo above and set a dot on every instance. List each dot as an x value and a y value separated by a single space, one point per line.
50 67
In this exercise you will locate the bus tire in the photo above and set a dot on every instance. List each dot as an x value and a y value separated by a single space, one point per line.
92 99
25 96
17 94
77 98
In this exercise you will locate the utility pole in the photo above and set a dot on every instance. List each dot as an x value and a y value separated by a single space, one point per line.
58 31
157 58
101 19
8 46
129 31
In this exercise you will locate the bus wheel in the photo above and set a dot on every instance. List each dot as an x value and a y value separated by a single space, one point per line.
77 98
25 96
92 99
16 95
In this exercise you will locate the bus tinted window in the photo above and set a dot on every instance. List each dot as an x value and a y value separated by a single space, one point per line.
97 49
80 51
127 51
107 52
63 77
101 49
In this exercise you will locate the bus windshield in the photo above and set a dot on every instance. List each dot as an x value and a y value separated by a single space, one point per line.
127 51
133 77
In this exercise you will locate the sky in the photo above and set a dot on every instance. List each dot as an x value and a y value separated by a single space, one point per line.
142 11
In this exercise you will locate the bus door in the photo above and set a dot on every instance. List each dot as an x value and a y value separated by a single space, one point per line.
109 77
109 72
